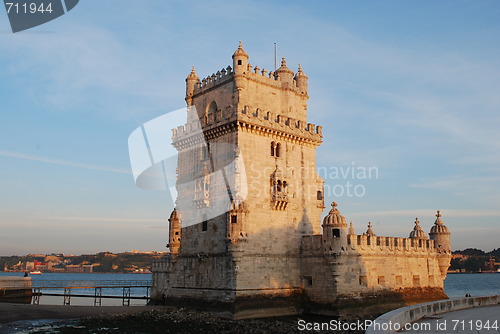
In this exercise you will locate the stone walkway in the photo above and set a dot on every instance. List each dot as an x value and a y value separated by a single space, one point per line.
471 321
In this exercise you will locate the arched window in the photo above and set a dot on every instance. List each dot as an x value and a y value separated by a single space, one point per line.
285 185
278 150
273 148
279 186
211 109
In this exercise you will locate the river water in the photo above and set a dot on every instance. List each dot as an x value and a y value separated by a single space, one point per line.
46 278
456 285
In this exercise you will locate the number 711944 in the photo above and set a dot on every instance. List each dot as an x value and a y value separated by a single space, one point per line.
28 8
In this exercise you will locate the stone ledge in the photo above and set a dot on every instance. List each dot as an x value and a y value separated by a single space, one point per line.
409 314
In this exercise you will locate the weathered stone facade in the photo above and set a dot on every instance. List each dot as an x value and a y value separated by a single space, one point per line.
247 148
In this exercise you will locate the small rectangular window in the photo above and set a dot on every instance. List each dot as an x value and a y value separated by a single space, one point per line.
234 219
416 280
336 232
204 226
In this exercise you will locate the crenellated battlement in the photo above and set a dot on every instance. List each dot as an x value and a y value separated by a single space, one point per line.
262 76
367 244
268 120
280 121
214 80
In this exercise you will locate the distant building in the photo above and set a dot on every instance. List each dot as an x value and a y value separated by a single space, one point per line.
270 254
79 268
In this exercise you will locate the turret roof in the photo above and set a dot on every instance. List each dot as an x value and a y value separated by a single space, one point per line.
240 52
439 227
283 68
369 231
334 218
417 232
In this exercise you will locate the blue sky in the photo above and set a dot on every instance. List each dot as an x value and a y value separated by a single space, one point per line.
409 87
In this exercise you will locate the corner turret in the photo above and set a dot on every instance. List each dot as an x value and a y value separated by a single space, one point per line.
191 81
285 75
335 230
240 60
441 236
301 79
174 238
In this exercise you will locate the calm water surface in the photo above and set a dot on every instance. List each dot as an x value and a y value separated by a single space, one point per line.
38 280
456 285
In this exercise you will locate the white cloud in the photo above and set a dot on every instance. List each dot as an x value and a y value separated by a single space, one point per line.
18 155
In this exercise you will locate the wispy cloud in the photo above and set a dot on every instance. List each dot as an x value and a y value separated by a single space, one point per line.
107 219
18 155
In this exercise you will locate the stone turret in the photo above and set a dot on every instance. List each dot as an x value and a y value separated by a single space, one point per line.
417 232
285 75
191 81
369 231
441 236
301 79
240 60
174 239
335 230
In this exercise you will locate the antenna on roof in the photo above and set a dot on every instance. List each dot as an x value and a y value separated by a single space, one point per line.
275 59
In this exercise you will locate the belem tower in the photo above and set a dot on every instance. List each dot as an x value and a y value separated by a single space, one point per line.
246 238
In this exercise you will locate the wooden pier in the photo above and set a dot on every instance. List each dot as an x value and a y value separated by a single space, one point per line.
68 287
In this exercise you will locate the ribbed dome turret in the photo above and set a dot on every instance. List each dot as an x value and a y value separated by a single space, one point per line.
240 52
439 227
369 231
283 68
417 232
334 218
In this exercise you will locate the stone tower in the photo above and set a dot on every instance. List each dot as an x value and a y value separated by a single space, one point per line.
246 236
251 247
441 236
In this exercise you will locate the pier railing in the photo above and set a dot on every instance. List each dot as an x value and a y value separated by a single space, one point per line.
69 287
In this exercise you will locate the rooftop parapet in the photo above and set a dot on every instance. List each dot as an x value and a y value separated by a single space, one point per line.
273 121
222 76
282 78
266 119
312 244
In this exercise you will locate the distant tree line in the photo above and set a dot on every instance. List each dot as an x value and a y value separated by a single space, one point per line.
102 262
475 260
